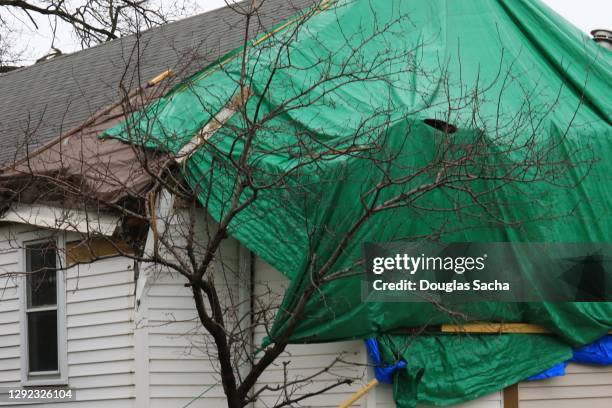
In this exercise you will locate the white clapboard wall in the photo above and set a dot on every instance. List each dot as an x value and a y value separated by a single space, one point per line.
99 305
582 386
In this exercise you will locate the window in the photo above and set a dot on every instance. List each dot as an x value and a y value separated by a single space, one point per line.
43 314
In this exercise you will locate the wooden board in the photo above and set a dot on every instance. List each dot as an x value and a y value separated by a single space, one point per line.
511 396
87 251
492 328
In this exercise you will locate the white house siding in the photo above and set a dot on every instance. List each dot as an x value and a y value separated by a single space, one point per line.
181 362
305 360
99 307
10 366
582 386
180 367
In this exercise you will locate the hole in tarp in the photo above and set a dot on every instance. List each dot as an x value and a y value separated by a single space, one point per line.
441 125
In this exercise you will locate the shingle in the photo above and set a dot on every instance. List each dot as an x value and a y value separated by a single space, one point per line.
46 99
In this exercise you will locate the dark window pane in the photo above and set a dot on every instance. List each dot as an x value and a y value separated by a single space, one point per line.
41 262
42 341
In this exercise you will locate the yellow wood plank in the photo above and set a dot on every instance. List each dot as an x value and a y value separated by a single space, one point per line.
494 328
487 327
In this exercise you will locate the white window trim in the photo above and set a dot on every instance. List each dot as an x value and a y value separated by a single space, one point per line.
59 377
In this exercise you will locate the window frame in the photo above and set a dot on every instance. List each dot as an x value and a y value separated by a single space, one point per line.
58 377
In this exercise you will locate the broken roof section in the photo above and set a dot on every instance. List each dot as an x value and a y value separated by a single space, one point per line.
79 168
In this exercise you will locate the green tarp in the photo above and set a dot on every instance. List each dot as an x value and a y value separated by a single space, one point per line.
449 369
342 105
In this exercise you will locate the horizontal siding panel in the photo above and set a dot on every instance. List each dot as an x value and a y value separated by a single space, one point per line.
107 292
9 352
181 340
9 302
86 281
205 402
7 269
100 356
9 259
168 277
568 380
181 366
161 290
10 375
295 374
176 287
12 384
549 393
101 267
97 394
313 388
569 403
9 328
169 315
8 283
315 361
101 317
124 403
9 340
8 244
102 381
179 301
185 391
13 363
101 343
176 353
184 378
10 316
92 306
109 367
324 349
100 330
191 328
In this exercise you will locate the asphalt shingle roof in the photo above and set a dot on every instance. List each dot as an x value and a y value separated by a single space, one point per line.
51 97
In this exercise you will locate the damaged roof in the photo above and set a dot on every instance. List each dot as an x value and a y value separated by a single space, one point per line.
42 101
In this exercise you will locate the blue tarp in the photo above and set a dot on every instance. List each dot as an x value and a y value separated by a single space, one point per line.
384 373
597 353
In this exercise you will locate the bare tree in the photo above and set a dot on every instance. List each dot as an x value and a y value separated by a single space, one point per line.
9 55
165 226
91 21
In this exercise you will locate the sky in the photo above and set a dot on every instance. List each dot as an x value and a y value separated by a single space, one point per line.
584 14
